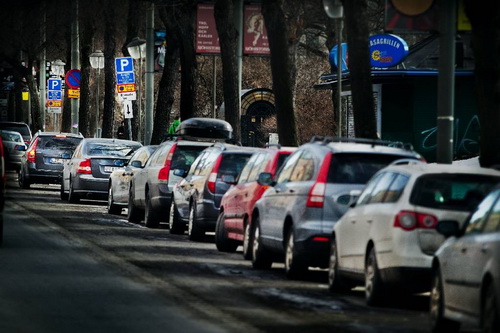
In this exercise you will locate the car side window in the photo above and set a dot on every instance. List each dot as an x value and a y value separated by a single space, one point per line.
287 169
365 195
243 178
158 157
396 188
208 162
493 222
381 188
478 218
259 166
304 168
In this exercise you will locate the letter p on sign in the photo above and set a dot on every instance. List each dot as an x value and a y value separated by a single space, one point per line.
124 65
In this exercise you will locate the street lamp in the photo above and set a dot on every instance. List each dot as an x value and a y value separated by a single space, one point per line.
97 62
334 10
137 50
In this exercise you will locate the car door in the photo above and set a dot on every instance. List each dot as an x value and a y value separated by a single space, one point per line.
155 162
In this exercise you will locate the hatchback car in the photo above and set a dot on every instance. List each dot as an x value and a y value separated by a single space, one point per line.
293 220
387 240
234 224
18 126
87 173
151 187
119 180
466 271
43 161
14 148
196 198
2 189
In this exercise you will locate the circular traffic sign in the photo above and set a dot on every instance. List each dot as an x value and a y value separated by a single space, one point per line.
73 78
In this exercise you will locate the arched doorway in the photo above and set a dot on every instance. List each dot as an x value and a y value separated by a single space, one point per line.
258 116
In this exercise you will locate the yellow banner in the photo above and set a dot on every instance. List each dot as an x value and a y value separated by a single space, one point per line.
129 87
73 93
54 103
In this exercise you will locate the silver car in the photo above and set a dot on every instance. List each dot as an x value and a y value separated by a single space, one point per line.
119 180
86 174
14 148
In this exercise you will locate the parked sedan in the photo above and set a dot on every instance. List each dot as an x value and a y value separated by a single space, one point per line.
387 240
234 224
466 271
86 174
119 180
14 148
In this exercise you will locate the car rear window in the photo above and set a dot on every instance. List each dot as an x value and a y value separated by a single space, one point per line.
451 191
232 164
357 168
54 143
107 149
21 128
184 156
11 137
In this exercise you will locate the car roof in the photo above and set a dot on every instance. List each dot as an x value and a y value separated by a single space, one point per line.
75 135
10 132
105 140
422 168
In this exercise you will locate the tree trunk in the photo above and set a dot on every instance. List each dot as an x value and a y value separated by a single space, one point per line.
166 88
86 45
283 39
110 32
485 44
228 37
356 24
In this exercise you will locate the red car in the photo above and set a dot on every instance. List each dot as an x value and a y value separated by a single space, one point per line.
234 225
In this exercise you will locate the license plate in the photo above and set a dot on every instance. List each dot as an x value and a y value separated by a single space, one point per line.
110 168
56 160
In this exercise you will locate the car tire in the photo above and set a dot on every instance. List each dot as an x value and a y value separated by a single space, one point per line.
134 214
336 283
247 241
195 231
175 224
490 321
261 258
151 217
374 288
72 196
112 207
23 182
295 268
63 194
436 307
223 243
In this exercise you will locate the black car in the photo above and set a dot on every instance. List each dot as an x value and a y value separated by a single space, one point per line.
43 161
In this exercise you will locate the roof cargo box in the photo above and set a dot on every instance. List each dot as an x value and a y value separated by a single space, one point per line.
205 128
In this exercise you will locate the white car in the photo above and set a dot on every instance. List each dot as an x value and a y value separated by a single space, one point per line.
466 271
386 241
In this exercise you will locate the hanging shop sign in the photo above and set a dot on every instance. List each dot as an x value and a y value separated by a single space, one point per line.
387 50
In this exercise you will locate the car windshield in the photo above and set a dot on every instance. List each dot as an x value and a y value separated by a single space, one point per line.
184 156
111 149
357 168
54 143
461 192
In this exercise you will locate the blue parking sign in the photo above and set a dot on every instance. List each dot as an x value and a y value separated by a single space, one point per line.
125 64
54 95
54 84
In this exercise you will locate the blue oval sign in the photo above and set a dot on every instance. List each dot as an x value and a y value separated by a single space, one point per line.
333 58
387 50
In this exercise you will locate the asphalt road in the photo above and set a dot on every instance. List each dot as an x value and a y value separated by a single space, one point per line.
75 268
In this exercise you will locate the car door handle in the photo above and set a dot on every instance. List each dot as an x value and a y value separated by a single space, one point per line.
369 221
291 191
463 250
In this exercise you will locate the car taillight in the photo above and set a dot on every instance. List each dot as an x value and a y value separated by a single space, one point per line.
84 167
164 172
213 175
316 196
31 153
408 220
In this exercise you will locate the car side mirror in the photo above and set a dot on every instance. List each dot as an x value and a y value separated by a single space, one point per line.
448 228
136 164
21 147
228 179
266 179
180 173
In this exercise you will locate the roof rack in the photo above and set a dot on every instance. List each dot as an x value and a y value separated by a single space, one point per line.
374 142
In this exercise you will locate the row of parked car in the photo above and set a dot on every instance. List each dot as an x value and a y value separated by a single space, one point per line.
372 212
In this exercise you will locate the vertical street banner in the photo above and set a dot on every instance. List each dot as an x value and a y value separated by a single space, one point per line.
255 40
207 38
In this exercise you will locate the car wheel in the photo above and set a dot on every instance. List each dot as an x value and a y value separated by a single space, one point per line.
64 195
294 266
72 196
261 258
23 182
175 224
490 322
134 214
195 232
336 282
247 241
112 207
436 307
374 289
151 218
223 243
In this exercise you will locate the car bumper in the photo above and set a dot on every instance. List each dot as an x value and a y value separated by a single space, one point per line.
90 185
207 214
314 251
408 278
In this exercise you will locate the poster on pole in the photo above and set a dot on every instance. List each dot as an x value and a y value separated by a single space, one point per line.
207 38
255 40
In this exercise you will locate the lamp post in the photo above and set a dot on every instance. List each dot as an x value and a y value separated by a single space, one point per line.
97 62
56 68
137 50
334 10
